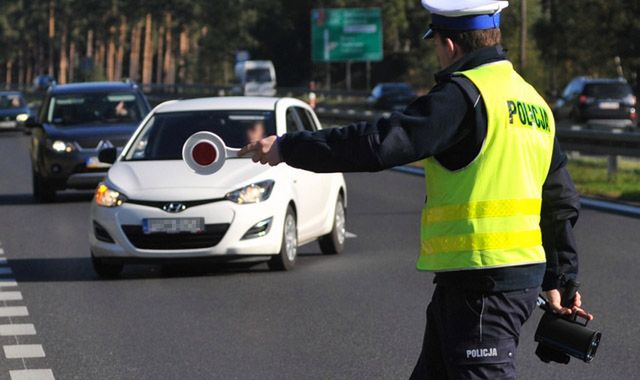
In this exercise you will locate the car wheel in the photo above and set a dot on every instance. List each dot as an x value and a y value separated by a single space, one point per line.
43 192
286 258
106 268
333 242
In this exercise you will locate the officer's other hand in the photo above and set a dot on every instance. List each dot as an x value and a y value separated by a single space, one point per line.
554 298
264 151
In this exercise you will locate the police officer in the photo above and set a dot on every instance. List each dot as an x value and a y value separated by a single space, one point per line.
497 223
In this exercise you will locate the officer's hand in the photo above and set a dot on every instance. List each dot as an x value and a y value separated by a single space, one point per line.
554 298
264 151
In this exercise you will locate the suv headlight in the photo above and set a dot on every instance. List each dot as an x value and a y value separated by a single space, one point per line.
61 146
108 198
254 193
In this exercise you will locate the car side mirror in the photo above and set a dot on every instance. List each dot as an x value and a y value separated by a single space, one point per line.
108 155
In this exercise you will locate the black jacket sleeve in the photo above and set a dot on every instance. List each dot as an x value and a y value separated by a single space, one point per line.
399 139
560 210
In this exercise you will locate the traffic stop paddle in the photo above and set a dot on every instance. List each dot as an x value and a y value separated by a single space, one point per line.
205 153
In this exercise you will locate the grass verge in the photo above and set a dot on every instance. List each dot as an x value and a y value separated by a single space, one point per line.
591 179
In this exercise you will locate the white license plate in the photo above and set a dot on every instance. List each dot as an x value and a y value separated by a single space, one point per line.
7 124
172 225
609 105
94 163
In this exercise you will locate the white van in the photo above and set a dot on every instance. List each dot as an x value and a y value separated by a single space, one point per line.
255 78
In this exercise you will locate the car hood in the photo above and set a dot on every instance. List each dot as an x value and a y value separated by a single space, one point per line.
90 135
12 113
174 181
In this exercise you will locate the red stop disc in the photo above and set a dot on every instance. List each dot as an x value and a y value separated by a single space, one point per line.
204 153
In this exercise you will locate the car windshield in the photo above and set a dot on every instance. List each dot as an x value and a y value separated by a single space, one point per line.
165 133
607 90
94 108
258 75
11 101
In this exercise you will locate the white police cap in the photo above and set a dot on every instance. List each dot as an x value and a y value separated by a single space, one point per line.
463 15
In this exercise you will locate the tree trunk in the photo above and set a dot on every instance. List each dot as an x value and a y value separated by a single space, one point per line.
147 61
40 60
134 61
159 55
523 34
90 43
62 76
52 33
122 40
184 50
29 74
20 62
72 61
100 54
111 54
169 61
9 76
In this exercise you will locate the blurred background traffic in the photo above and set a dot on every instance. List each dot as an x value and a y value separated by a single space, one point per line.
343 57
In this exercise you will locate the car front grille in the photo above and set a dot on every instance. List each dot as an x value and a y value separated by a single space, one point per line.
211 236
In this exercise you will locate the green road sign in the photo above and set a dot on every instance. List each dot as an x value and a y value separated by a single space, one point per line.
346 34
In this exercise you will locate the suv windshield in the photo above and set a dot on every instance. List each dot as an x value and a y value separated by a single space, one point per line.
94 107
165 133
11 101
607 90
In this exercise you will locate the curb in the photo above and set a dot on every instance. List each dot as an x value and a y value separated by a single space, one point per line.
586 202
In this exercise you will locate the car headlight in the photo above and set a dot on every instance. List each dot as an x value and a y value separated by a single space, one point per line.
108 198
254 193
61 146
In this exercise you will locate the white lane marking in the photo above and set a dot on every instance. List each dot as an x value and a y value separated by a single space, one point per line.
17 329
18 351
7 282
10 296
32 374
13 311
350 235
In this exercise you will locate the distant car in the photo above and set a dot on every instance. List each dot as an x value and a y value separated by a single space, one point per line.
12 105
152 206
391 96
608 102
254 78
76 121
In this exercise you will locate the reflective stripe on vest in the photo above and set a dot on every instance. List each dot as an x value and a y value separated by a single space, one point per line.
488 213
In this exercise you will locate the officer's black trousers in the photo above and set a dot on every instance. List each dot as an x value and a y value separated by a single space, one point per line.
473 335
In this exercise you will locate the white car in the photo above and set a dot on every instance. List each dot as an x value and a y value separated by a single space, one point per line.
152 206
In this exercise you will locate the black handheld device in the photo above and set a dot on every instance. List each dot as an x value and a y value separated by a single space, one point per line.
561 336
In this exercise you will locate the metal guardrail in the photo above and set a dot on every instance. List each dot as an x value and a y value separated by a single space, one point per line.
600 142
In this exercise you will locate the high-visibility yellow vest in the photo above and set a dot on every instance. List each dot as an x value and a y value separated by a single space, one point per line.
487 214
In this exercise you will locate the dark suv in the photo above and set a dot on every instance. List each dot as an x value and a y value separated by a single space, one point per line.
75 122
391 96
608 102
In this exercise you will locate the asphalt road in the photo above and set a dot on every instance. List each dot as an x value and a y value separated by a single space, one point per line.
355 316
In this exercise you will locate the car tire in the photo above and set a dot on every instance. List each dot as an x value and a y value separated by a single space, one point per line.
333 242
43 192
106 268
286 258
